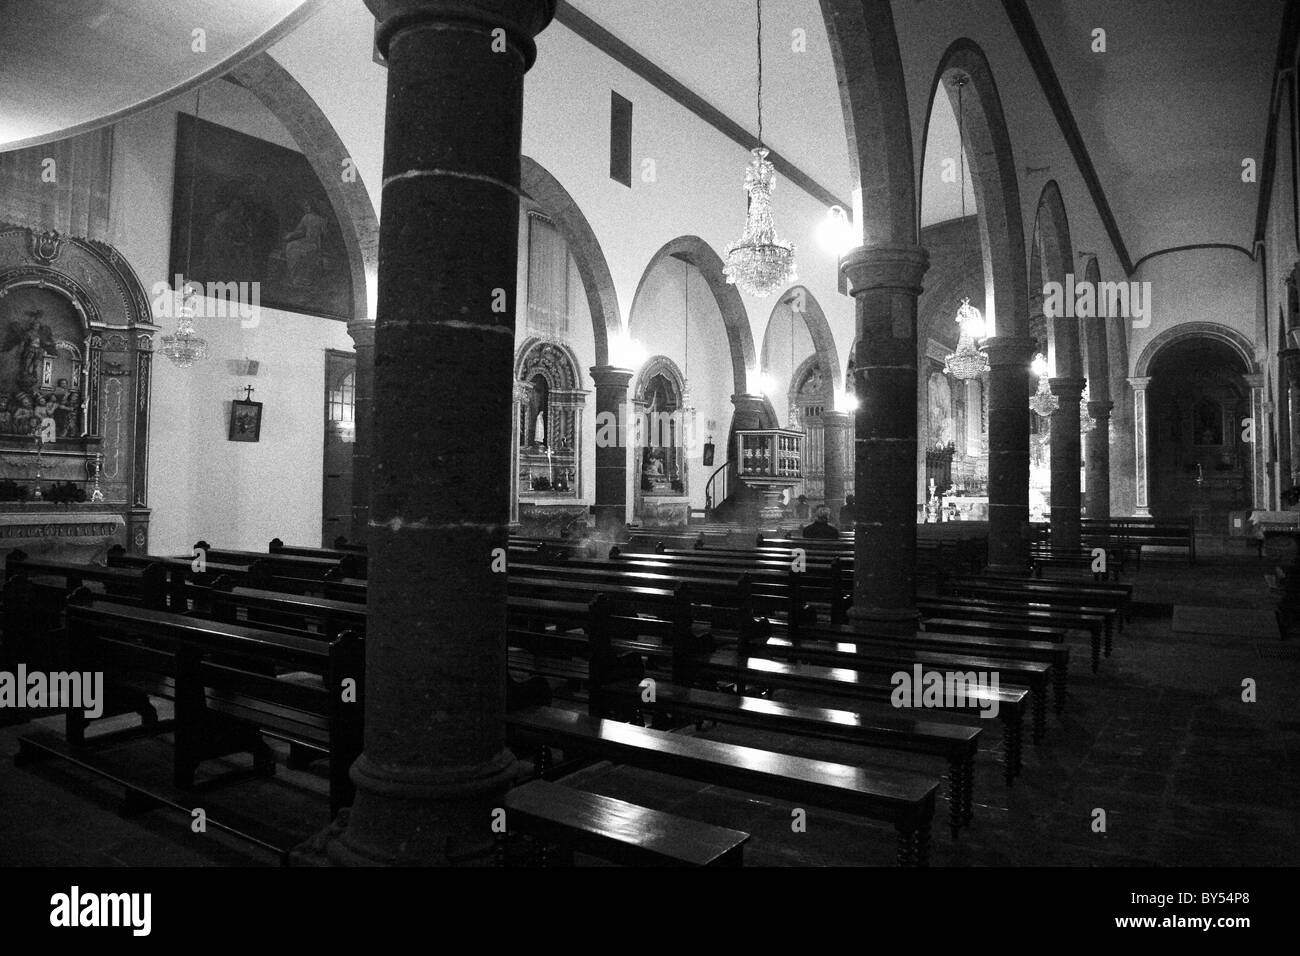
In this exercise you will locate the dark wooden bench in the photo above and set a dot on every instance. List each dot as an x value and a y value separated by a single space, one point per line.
221 707
899 797
356 558
618 831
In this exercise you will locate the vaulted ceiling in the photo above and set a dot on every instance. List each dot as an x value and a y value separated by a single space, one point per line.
68 66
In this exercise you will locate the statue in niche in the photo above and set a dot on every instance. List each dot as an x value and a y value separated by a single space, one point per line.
36 341
1207 423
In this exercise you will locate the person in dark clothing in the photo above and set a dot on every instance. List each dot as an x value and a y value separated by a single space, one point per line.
821 526
847 512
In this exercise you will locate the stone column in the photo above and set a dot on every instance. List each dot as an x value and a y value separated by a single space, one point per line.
974 418
1008 450
1258 468
1141 507
435 762
835 426
1099 460
1066 463
614 434
751 412
363 339
885 281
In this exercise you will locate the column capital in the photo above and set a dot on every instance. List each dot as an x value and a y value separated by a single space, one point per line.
1009 350
611 376
748 399
521 19
895 266
362 332
1070 388
1100 410
835 419
1140 381
1254 379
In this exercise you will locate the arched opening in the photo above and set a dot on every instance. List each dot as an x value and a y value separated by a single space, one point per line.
664 443
685 311
548 435
553 201
1198 401
800 374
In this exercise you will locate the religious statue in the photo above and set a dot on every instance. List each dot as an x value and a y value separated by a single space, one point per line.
36 341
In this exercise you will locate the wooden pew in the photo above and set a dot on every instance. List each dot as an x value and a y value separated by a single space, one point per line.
220 707
612 693
616 830
357 557
899 797
283 562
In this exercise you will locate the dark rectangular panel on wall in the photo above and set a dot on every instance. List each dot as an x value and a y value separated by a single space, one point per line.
620 139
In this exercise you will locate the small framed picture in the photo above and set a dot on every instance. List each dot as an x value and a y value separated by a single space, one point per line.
245 421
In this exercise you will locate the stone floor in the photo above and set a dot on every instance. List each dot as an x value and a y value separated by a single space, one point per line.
1160 739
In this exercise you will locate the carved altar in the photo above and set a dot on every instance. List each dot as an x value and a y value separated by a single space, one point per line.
75 365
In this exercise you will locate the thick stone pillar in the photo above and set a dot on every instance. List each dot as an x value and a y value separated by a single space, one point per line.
1099 460
751 412
435 762
835 427
614 431
1008 450
1066 463
363 339
885 281
1141 507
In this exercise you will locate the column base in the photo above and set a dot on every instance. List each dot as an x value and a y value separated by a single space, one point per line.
427 818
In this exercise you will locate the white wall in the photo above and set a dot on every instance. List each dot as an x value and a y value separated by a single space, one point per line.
233 494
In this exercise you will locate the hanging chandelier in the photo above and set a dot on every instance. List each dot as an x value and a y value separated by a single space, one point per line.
184 345
1086 422
761 262
1043 402
967 362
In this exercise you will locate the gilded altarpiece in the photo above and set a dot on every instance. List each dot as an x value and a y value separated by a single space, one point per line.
76 353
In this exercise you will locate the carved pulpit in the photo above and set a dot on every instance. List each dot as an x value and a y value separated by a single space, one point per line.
75 363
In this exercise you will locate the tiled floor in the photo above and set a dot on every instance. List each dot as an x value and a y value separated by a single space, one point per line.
1160 740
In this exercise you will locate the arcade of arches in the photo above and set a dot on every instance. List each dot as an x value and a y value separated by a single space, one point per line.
495 332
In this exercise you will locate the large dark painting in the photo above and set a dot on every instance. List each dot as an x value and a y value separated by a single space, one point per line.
259 215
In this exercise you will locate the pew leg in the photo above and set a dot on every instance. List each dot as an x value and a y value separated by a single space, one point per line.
1012 734
958 767
544 762
1096 651
1109 630
1060 673
968 789
907 851
300 757
1039 703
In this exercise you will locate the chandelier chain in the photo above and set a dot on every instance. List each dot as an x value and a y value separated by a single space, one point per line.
760 72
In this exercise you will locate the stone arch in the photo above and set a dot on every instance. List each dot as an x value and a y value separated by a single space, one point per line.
819 330
602 298
1097 368
994 181
735 319
294 107
1230 337
873 95
801 375
1052 234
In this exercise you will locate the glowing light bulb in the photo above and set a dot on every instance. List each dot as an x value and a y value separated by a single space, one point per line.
835 233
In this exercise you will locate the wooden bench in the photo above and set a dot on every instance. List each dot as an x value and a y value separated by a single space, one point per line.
220 707
616 830
899 797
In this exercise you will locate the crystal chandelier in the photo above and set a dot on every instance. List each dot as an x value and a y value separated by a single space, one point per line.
760 262
967 362
1086 422
1043 402
184 345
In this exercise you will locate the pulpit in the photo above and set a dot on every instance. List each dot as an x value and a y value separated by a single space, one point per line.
770 460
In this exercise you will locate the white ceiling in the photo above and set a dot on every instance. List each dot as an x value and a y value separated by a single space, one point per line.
68 66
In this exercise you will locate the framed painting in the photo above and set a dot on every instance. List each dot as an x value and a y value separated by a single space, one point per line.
245 421
257 214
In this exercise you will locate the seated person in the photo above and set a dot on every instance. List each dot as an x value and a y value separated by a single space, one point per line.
821 526
847 512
